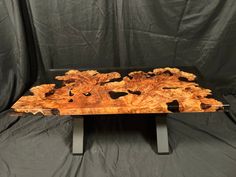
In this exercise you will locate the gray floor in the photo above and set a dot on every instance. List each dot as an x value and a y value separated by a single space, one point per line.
202 145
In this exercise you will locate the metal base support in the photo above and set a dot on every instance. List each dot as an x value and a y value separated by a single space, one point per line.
162 135
78 135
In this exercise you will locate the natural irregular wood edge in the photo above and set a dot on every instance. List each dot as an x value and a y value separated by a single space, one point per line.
137 85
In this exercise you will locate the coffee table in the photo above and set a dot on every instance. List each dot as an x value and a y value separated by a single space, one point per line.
161 112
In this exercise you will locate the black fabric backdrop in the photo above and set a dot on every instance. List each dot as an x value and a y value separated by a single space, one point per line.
37 36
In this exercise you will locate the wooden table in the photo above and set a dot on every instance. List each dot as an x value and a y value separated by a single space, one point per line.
120 91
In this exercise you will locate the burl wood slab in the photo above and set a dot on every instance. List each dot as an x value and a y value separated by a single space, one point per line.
89 92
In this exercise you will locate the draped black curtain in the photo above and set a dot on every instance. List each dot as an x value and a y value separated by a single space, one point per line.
42 35
14 61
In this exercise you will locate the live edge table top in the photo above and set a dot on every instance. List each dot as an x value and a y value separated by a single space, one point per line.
158 90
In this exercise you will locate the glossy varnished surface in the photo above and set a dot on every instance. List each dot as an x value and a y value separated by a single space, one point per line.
161 90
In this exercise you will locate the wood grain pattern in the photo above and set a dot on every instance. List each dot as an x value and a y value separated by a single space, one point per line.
162 90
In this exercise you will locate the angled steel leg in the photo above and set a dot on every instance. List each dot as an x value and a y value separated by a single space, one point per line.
162 135
78 135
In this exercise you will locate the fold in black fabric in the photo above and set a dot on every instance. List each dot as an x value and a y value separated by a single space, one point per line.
13 54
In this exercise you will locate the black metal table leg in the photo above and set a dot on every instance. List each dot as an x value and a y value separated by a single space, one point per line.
162 135
78 135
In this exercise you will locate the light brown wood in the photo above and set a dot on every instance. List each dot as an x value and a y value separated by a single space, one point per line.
162 90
